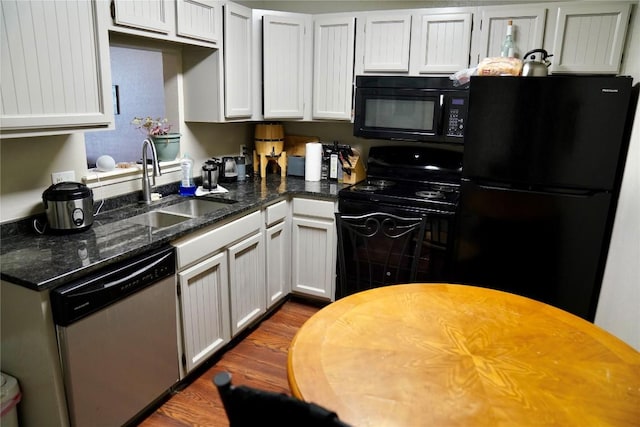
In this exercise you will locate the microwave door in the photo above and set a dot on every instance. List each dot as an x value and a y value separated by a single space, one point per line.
395 114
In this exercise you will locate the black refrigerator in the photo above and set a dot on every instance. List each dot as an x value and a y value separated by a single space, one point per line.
543 160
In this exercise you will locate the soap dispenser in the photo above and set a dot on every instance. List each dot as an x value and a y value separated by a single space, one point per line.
187 185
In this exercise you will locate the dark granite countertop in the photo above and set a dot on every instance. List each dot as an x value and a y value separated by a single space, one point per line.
46 261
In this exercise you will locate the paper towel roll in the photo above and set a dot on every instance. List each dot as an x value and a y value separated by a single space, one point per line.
313 161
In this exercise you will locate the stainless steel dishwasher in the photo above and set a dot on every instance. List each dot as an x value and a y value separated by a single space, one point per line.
117 336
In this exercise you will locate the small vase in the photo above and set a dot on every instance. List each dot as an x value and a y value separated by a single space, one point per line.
167 146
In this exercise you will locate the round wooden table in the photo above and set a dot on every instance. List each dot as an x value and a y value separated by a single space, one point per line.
455 355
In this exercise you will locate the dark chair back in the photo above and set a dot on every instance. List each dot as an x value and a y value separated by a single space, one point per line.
377 249
247 406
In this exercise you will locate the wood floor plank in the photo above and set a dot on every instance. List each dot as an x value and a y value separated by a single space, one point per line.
259 360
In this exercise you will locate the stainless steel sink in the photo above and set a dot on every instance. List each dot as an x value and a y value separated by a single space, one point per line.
194 207
158 219
177 213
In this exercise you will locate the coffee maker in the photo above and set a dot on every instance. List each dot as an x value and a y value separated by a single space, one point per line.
228 170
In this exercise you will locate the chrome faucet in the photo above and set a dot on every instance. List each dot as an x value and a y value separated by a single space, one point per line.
146 186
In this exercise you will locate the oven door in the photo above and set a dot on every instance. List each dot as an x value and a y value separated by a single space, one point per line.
436 255
398 113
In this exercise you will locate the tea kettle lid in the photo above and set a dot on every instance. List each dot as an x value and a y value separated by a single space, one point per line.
210 165
544 55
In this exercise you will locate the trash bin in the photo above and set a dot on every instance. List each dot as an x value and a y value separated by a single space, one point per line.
10 391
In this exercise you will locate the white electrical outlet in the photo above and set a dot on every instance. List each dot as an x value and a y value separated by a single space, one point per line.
57 177
243 150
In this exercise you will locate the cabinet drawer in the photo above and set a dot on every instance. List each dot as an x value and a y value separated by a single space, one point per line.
276 212
313 207
192 248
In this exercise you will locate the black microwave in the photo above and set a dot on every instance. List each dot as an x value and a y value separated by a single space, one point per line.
429 109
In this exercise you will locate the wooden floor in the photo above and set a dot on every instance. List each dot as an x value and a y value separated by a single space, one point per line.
259 360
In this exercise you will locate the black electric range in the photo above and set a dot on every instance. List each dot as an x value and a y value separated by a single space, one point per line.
409 181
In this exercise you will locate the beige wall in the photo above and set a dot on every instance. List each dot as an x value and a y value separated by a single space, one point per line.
26 166
619 303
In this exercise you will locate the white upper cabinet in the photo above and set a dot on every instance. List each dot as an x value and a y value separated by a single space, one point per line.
528 30
333 52
386 42
195 22
284 46
238 65
198 19
150 15
54 73
589 38
440 43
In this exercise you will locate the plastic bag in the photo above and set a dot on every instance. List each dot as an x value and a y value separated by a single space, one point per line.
462 77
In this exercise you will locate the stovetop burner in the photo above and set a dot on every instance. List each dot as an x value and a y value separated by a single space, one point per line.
430 194
381 183
414 178
366 187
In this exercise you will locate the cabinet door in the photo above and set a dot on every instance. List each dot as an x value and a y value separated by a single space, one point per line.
199 19
237 61
55 71
333 67
150 15
386 46
313 247
283 67
589 38
278 268
247 293
204 301
528 30
443 42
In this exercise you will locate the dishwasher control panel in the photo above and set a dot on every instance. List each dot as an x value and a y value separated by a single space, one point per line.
83 297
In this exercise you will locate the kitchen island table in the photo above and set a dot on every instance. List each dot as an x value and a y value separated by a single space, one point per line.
456 355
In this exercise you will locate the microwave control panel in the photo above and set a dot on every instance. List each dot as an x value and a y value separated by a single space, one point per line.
456 110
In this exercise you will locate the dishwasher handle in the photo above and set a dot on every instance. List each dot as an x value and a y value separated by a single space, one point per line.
76 300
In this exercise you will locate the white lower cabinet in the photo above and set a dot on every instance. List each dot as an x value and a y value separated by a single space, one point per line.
221 285
313 248
229 275
278 252
246 282
204 303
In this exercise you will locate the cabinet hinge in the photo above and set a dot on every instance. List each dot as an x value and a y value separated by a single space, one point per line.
480 25
113 9
178 292
184 361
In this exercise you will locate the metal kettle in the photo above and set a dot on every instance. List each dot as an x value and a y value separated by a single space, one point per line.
534 67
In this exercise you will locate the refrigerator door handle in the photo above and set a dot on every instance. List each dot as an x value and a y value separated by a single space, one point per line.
536 190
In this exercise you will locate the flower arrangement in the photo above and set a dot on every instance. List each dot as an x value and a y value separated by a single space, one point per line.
153 127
